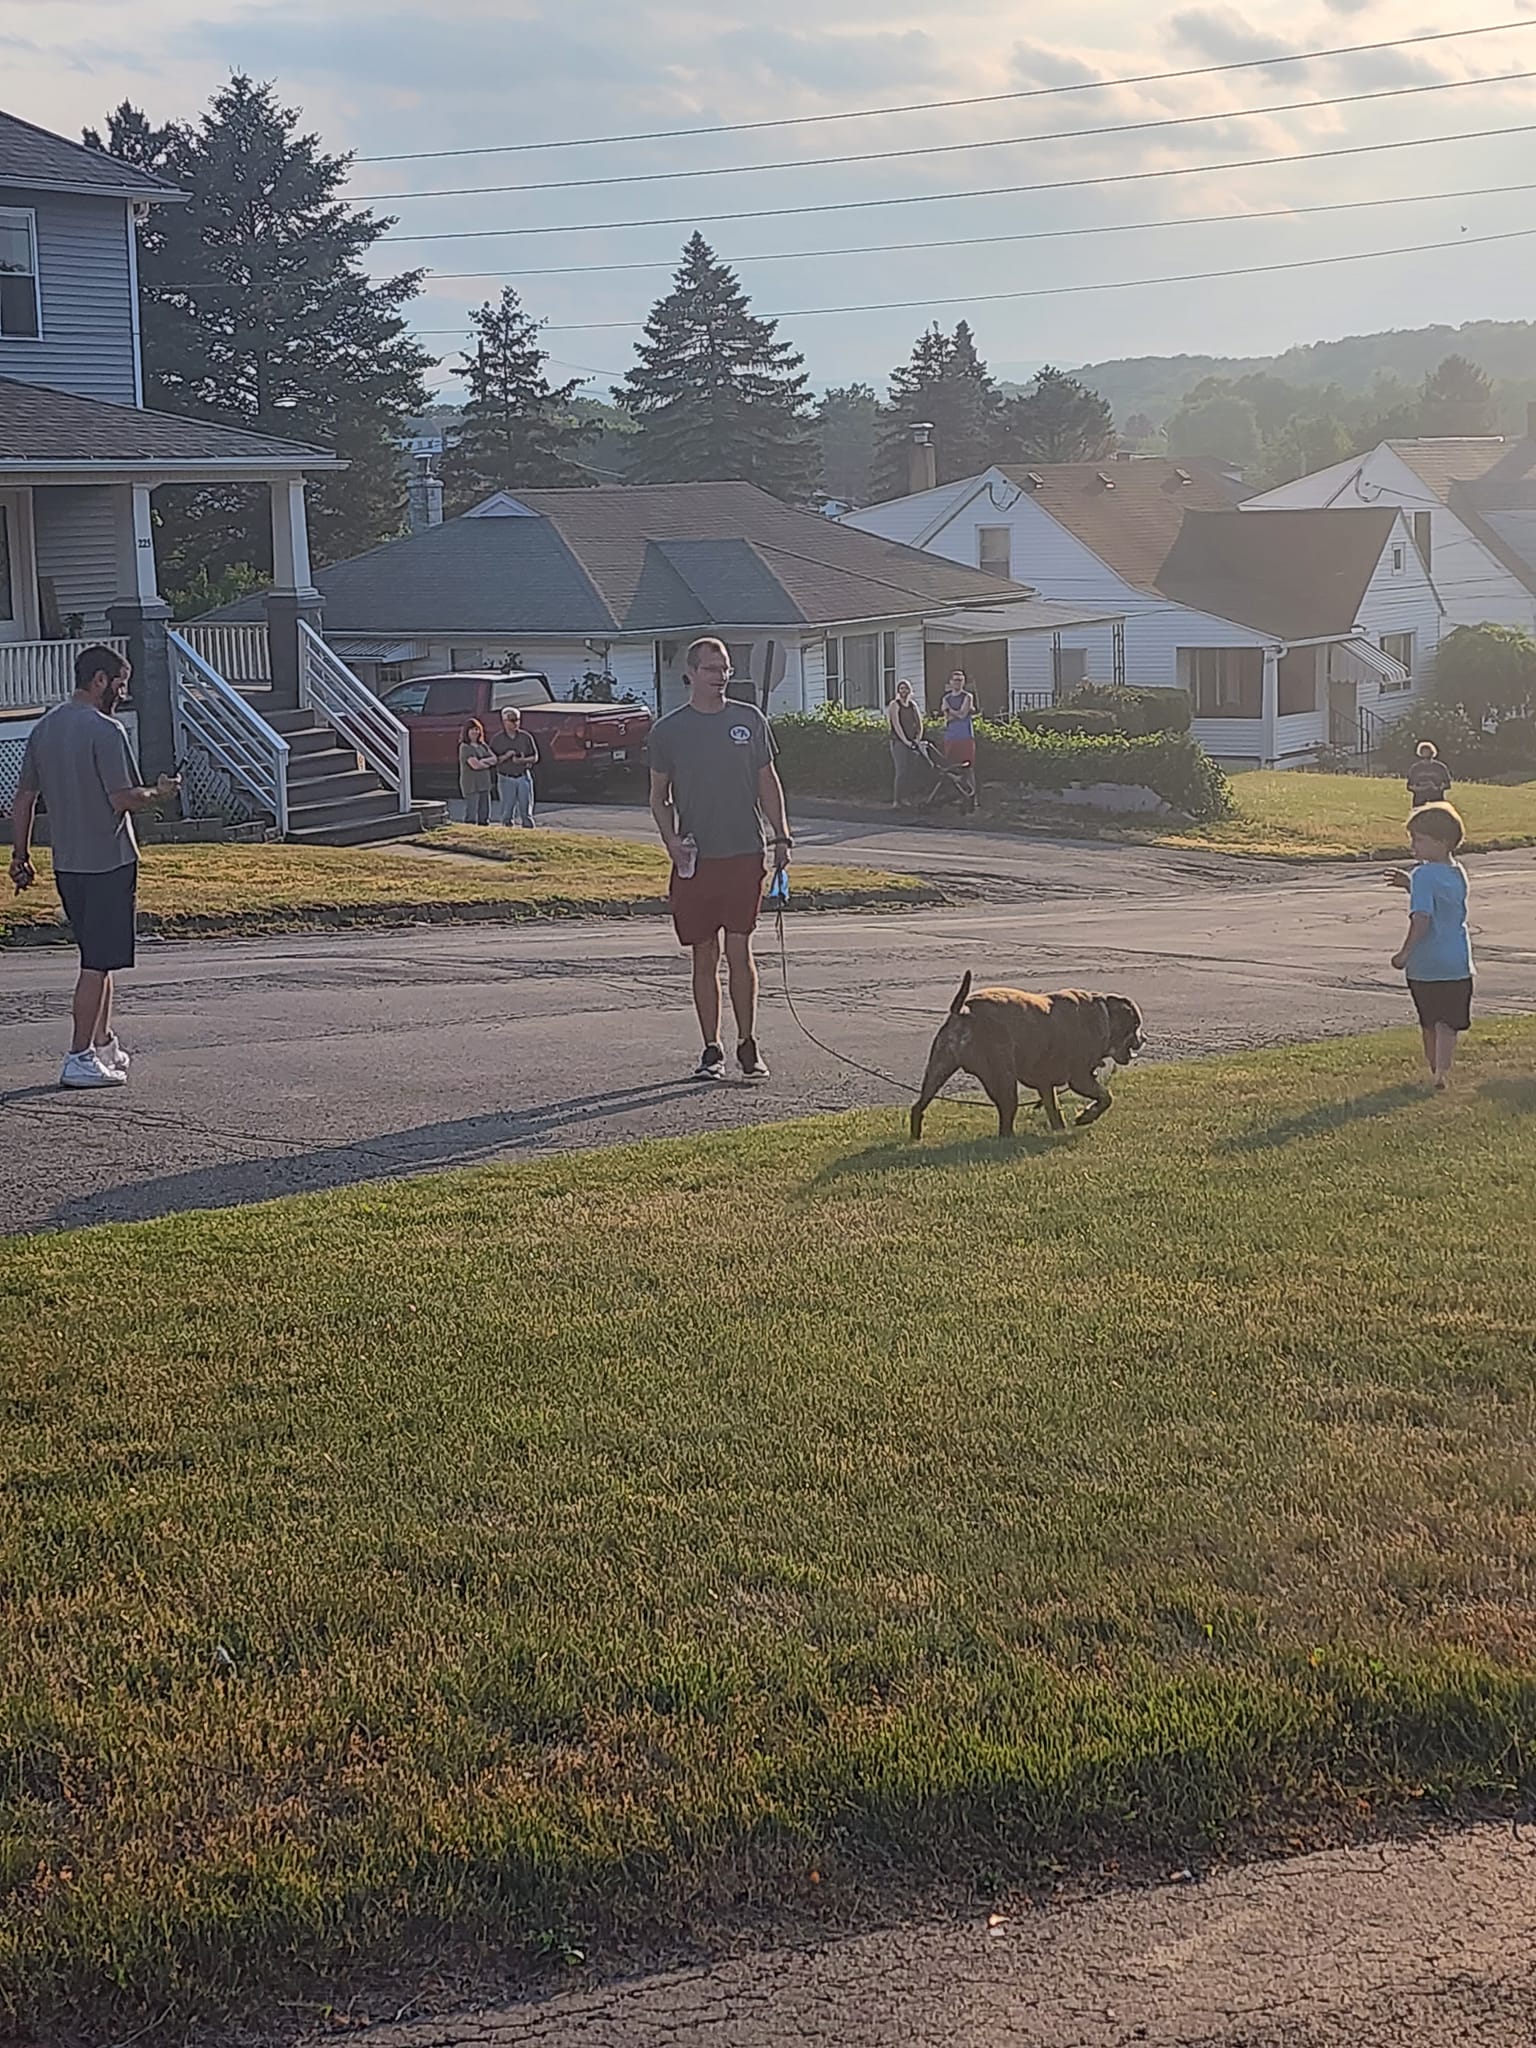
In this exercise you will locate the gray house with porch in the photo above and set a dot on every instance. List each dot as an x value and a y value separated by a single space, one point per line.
269 722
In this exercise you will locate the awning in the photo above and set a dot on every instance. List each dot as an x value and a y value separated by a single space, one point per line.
999 622
370 647
1388 671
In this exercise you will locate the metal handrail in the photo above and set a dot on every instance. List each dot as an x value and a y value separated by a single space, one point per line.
219 719
329 688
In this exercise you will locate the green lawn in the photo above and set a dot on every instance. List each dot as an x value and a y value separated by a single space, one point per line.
644 1530
236 889
1323 816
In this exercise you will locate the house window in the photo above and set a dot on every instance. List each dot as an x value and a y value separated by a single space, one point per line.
1298 682
834 671
1400 647
1399 558
1224 682
466 657
390 673
861 670
20 305
994 550
1424 537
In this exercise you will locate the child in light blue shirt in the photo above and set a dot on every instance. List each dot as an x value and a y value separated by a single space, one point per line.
1437 953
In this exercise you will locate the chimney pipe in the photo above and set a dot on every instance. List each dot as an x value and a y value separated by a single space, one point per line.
424 501
922 459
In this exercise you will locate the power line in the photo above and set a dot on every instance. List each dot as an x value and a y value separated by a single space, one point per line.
1126 227
876 156
974 192
988 99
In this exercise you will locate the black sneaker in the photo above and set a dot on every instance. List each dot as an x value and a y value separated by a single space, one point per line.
750 1060
711 1065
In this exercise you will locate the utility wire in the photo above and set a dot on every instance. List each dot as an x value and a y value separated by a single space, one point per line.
880 156
1038 92
972 192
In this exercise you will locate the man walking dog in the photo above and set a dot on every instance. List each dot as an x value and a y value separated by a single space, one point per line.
713 783
79 762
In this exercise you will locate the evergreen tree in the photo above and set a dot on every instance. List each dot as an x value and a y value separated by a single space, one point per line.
945 383
715 393
1457 399
257 313
1059 420
847 427
518 431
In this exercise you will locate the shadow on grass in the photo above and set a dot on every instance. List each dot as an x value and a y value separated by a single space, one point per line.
1516 1094
899 1153
1329 1116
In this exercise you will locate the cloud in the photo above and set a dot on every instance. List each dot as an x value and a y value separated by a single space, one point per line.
1225 36
821 62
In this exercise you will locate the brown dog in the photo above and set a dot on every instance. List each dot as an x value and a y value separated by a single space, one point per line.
1008 1039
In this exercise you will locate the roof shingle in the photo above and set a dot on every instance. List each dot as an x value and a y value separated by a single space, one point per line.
1128 513
1300 575
39 425
47 163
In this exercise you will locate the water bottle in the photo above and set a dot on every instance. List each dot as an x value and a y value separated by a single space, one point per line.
687 859
778 889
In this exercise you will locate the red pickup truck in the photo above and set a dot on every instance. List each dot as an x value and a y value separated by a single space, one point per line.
581 746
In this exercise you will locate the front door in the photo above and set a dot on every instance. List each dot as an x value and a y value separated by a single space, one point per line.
14 567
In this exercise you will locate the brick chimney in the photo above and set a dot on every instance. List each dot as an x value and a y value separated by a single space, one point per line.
423 500
922 458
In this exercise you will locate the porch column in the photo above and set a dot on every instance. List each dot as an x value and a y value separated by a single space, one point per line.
143 618
1117 642
1270 706
293 596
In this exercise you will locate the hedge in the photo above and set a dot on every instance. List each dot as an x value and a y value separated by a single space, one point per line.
839 753
1471 755
1136 708
1065 721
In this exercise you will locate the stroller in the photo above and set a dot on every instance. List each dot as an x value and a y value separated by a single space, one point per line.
954 787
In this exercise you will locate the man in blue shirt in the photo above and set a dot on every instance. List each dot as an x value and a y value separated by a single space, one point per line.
1437 953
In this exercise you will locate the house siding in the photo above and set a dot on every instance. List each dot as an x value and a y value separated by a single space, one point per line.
86 280
76 528
813 670
1402 602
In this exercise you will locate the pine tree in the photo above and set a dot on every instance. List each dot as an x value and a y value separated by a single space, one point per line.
518 431
847 427
1457 399
257 313
715 393
1058 420
946 384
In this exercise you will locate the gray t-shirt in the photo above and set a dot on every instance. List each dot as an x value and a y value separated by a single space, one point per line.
75 758
714 759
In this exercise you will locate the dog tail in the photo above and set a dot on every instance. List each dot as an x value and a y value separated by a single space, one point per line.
961 994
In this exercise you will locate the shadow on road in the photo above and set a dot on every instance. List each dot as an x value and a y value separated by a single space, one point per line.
1329 1116
431 1148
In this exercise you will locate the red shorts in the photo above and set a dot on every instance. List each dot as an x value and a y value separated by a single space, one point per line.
720 895
960 753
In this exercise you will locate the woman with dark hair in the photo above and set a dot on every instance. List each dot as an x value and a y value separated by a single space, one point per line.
477 774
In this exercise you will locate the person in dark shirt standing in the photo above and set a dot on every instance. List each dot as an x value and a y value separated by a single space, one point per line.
713 783
1429 780
517 755
79 763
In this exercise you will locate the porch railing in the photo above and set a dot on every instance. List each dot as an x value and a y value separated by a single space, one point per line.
241 654
42 672
329 688
209 714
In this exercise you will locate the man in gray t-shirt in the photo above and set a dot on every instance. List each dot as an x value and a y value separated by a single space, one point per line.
79 765
713 783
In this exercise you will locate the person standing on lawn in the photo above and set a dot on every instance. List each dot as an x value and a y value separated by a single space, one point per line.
477 773
1437 953
904 715
1429 780
517 755
713 783
79 763
959 708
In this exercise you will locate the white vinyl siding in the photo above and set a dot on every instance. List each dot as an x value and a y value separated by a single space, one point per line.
85 285
76 528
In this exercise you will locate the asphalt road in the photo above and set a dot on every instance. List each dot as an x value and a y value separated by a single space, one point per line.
280 1066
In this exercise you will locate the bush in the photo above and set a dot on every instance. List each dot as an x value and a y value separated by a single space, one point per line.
1135 709
1471 755
1488 673
839 753
1065 721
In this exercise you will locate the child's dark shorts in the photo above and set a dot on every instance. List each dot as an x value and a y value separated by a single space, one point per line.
1443 1002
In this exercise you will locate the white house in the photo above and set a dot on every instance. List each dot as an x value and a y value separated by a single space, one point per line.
1472 505
1289 631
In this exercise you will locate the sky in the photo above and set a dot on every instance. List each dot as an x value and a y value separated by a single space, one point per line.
380 78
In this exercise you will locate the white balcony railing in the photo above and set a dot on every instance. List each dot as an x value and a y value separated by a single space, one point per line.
329 689
37 673
240 654
211 715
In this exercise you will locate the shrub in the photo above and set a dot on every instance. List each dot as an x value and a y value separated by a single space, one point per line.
1471 755
1065 721
1135 708
839 753
1488 673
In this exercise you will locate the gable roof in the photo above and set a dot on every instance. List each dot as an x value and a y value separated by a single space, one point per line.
1128 513
43 162
656 558
47 429
1456 459
1301 575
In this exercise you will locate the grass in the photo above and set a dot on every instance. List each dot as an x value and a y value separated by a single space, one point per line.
237 889
1322 817
510 1552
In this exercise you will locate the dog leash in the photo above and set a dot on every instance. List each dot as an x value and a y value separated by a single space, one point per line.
874 1073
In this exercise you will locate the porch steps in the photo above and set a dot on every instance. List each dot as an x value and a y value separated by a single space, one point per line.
332 799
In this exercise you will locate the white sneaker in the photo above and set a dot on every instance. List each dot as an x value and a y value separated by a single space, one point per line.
85 1070
111 1055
